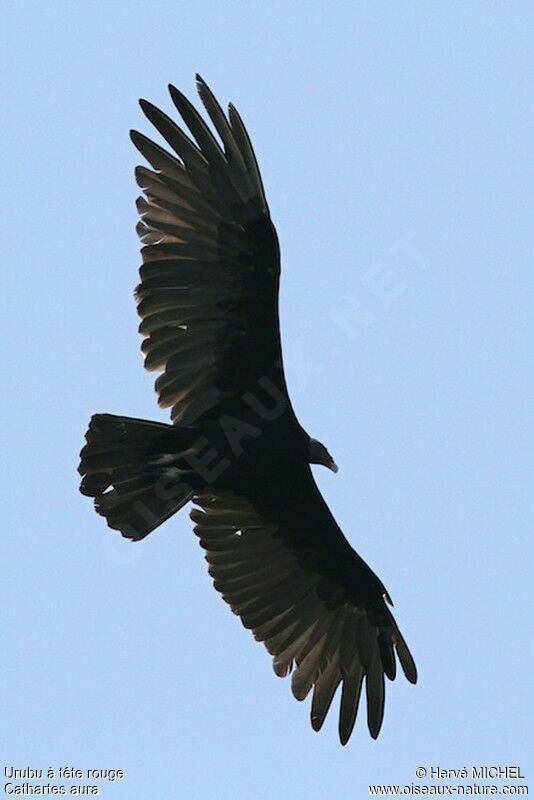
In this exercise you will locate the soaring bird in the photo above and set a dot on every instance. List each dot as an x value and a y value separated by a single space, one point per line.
208 303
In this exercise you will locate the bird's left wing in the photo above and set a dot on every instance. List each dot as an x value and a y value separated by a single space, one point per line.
208 296
314 603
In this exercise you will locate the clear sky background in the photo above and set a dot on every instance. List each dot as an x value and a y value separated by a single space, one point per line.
395 142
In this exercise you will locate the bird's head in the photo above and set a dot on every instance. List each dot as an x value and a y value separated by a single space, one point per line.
318 454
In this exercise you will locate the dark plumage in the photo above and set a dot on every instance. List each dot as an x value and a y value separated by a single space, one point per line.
208 302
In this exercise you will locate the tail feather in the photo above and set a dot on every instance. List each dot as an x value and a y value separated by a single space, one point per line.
125 466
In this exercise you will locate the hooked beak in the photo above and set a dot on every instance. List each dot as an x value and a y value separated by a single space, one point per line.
333 466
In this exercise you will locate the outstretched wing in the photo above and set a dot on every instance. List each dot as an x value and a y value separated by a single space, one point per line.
208 296
307 595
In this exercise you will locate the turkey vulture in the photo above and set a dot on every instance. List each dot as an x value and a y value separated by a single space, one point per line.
208 302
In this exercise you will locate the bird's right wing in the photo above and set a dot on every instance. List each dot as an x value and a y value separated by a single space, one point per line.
329 627
208 296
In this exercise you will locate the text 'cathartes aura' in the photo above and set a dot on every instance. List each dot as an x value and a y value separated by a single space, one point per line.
208 302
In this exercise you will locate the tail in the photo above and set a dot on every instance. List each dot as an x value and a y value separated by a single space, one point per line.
137 472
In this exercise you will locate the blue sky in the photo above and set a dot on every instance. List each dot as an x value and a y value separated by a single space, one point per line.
395 145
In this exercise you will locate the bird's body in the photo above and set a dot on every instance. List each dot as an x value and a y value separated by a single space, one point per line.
208 301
